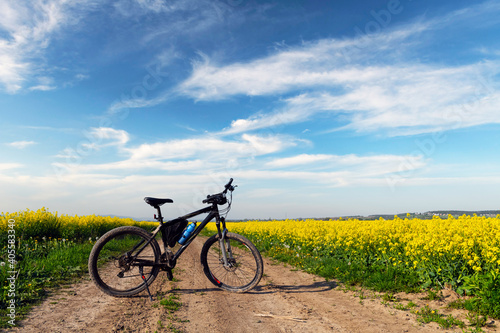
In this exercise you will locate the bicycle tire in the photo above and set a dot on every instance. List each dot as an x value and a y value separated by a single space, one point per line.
246 267
107 261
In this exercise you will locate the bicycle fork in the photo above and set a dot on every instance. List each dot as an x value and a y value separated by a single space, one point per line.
226 249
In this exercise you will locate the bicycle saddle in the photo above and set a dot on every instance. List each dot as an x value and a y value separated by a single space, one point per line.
156 202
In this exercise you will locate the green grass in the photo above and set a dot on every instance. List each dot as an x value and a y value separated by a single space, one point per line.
40 268
383 278
408 306
43 265
171 303
426 315
49 250
433 295
389 297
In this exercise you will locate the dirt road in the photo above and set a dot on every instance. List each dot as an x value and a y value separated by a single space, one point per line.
284 301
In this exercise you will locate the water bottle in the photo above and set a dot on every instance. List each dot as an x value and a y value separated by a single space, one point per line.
189 230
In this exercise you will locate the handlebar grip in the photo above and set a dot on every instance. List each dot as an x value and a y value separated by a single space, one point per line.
228 186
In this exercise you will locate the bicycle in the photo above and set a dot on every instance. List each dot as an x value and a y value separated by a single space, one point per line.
230 261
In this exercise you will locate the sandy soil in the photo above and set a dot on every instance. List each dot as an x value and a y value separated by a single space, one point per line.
284 301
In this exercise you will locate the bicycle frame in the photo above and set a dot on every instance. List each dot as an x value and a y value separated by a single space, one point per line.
213 212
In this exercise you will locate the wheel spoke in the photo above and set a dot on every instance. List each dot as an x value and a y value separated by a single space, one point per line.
244 267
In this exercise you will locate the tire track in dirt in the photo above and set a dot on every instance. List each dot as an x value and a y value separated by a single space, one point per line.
284 301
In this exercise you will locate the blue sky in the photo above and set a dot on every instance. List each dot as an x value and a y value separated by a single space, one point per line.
315 108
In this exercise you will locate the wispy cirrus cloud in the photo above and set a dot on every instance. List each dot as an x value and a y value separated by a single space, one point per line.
362 81
193 20
344 160
357 75
48 128
401 100
44 84
97 138
20 144
28 28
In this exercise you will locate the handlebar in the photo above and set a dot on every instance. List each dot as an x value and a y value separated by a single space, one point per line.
220 198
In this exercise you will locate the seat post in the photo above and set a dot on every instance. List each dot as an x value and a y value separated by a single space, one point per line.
160 217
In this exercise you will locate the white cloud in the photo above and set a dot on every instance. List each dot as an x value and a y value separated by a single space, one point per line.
100 135
133 103
83 193
128 165
21 144
299 160
324 63
414 100
246 146
241 156
262 120
154 5
44 84
403 99
352 166
12 69
199 154
8 166
42 87
47 128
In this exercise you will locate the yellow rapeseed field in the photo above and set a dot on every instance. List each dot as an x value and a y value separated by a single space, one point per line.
441 251
43 223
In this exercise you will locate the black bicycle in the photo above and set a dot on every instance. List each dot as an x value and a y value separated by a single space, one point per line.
126 260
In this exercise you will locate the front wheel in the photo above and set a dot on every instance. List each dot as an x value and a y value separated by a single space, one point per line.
244 267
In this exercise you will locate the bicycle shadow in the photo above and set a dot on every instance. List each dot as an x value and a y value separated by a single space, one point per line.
316 287
271 288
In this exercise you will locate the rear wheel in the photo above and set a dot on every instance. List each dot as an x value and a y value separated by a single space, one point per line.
121 257
244 263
